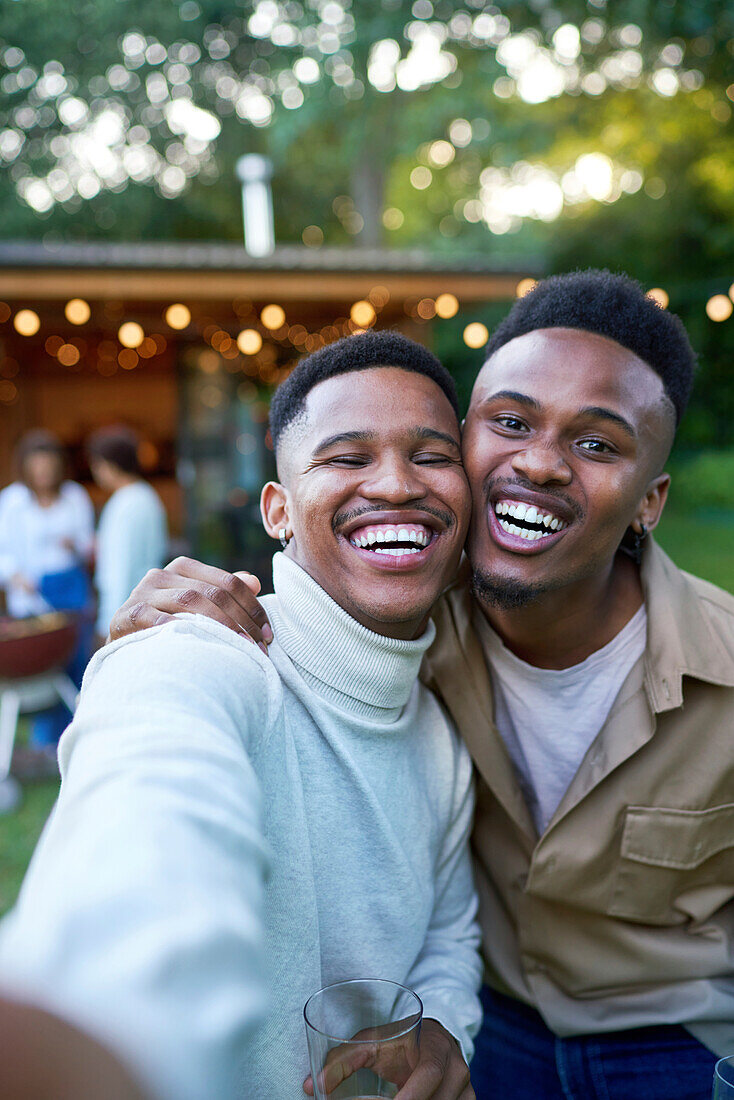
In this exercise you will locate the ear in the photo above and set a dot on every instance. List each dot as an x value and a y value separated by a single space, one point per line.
651 506
274 509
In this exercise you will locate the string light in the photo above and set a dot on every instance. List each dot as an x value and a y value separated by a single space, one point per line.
249 341
77 311
657 294
178 316
128 359
363 314
27 322
447 305
476 335
426 309
719 308
68 355
524 287
273 316
131 335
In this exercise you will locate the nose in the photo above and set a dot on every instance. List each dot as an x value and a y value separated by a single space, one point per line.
542 462
394 481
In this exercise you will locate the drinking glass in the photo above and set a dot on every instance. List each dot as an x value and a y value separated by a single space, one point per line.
724 1079
362 1038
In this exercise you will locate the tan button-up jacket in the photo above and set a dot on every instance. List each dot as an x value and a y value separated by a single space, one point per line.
622 913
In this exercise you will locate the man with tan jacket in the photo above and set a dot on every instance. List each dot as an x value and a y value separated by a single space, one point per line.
592 682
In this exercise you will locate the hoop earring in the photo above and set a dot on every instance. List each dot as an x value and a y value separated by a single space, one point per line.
284 538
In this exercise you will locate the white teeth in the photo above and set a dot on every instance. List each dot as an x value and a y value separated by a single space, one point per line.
396 551
391 536
403 535
521 532
530 514
413 536
371 537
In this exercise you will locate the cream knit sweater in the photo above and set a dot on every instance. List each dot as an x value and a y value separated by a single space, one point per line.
192 764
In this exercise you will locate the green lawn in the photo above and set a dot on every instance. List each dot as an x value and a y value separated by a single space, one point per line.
18 835
702 544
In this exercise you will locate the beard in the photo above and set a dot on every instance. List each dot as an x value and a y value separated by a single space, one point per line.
505 594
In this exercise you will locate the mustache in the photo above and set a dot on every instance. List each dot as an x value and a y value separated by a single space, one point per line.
493 483
346 517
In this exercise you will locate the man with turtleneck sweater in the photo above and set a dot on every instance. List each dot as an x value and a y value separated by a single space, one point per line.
230 822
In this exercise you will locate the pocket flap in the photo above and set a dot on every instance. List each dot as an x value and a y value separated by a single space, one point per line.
680 839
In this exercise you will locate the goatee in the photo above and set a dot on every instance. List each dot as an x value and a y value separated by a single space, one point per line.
504 594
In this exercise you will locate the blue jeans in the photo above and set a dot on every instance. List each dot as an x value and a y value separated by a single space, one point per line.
67 591
518 1058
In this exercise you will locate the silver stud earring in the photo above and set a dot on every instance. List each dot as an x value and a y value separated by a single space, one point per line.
284 540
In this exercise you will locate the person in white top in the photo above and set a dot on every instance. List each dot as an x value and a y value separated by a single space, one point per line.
228 821
46 537
132 535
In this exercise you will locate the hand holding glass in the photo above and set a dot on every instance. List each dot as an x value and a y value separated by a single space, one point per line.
362 1039
724 1079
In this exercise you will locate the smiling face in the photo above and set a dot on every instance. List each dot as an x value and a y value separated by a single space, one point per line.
374 494
564 445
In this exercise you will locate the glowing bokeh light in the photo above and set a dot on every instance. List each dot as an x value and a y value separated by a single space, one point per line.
131 335
719 308
660 296
447 305
476 335
363 314
178 316
27 322
524 287
77 311
68 355
273 316
249 341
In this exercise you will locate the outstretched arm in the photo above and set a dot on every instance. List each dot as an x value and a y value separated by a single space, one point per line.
140 918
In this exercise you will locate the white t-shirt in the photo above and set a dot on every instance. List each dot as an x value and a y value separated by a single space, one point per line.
32 539
131 539
549 717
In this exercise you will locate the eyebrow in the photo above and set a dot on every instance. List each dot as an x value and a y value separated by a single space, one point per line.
513 395
601 413
369 437
597 411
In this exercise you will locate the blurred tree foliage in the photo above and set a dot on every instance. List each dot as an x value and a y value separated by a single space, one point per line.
574 132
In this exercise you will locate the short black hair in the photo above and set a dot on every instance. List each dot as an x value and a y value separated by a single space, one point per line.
354 353
614 306
117 445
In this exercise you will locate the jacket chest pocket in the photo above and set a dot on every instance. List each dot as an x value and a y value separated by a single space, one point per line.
675 866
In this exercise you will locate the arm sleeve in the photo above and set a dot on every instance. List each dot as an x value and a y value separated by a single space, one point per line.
8 557
132 538
140 917
84 527
448 972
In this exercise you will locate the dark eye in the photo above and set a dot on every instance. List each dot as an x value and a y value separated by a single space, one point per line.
512 423
596 446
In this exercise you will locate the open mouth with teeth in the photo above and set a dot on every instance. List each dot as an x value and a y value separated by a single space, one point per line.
392 540
527 522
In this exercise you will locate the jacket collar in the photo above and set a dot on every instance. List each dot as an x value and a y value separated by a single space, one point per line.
683 637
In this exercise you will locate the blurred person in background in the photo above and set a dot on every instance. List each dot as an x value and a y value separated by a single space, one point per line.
46 539
132 536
